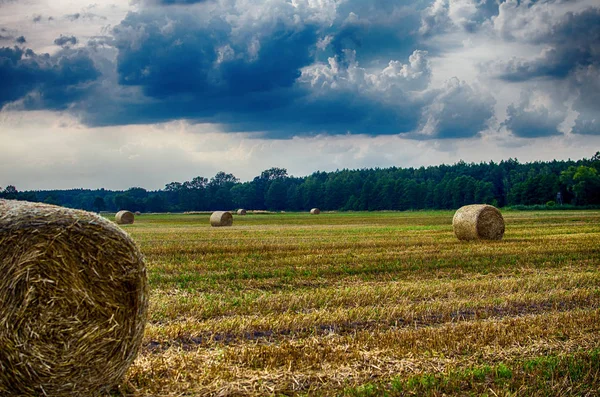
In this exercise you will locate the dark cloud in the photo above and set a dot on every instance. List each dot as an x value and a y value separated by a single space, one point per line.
209 62
204 70
86 15
570 43
587 126
38 18
268 81
570 57
374 28
21 40
43 81
100 41
280 69
457 110
529 119
587 82
267 76
533 123
65 41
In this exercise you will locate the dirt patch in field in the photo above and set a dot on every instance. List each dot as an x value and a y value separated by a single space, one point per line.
496 312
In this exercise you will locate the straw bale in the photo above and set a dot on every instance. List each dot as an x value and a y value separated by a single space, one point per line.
73 301
124 218
241 211
315 211
221 218
478 222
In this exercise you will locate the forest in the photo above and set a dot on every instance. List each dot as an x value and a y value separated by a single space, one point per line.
552 184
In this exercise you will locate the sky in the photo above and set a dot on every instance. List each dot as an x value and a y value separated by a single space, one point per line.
146 92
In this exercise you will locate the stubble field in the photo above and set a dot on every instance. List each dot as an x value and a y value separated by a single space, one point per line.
368 304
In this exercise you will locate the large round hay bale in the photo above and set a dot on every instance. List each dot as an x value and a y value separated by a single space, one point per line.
221 218
478 221
315 211
241 211
124 217
73 301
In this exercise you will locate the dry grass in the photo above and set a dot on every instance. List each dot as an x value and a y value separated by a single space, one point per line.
359 304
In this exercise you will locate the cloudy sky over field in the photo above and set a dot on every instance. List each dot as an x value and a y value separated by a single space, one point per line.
145 92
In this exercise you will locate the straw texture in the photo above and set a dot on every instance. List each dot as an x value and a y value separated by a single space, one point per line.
221 218
124 217
478 222
73 301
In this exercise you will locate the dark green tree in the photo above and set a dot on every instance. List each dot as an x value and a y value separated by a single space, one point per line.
99 204
10 192
276 196
584 183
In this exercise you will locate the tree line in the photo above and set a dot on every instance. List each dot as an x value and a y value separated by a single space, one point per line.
507 183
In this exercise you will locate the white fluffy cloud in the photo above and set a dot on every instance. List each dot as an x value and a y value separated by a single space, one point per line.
344 73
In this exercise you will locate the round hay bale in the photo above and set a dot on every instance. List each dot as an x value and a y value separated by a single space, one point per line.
124 218
137 213
478 222
221 218
73 301
315 211
241 211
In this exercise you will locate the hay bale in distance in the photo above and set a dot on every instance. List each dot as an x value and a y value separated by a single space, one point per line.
261 212
241 211
73 301
478 222
137 213
221 218
124 217
315 211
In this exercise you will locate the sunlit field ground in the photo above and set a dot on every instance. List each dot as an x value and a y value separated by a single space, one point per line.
363 304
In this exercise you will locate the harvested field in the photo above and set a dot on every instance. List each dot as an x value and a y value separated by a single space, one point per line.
363 304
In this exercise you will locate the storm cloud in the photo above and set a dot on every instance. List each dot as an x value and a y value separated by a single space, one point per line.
65 41
284 69
43 81
569 43
282 73
570 56
532 118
